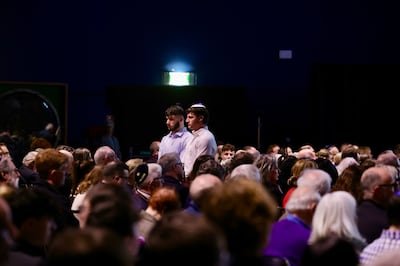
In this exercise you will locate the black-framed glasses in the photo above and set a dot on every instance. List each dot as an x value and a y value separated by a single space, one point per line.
181 164
392 185
14 170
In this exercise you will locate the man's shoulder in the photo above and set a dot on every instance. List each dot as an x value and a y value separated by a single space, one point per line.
205 132
184 132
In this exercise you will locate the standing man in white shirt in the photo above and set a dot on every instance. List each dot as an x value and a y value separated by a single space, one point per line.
202 140
178 136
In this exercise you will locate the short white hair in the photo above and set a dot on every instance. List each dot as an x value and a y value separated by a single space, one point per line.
103 155
248 170
316 178
29 158
302 198
155 170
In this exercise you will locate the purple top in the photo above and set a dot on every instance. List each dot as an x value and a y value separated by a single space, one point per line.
288 239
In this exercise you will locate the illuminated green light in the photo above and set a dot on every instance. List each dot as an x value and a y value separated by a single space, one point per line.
179 78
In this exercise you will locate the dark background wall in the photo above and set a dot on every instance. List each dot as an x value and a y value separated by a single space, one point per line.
137 108
94 45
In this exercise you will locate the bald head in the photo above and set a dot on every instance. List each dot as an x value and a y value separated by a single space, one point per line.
372 180
388 157
202 183
306 153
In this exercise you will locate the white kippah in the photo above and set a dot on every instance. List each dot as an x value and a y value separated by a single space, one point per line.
198 105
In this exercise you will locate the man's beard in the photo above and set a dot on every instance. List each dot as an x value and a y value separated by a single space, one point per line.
175 127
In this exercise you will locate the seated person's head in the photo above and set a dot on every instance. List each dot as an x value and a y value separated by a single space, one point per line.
34 215
242 201
180 238
88 246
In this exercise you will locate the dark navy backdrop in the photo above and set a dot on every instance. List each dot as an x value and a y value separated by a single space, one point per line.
94 44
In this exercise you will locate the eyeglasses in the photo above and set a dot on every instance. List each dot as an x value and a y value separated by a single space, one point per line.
14 170
121 176
181 164
392 185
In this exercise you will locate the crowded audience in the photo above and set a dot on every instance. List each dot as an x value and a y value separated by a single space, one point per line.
194 204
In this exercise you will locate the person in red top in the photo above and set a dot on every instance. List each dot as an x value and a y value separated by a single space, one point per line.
297 168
